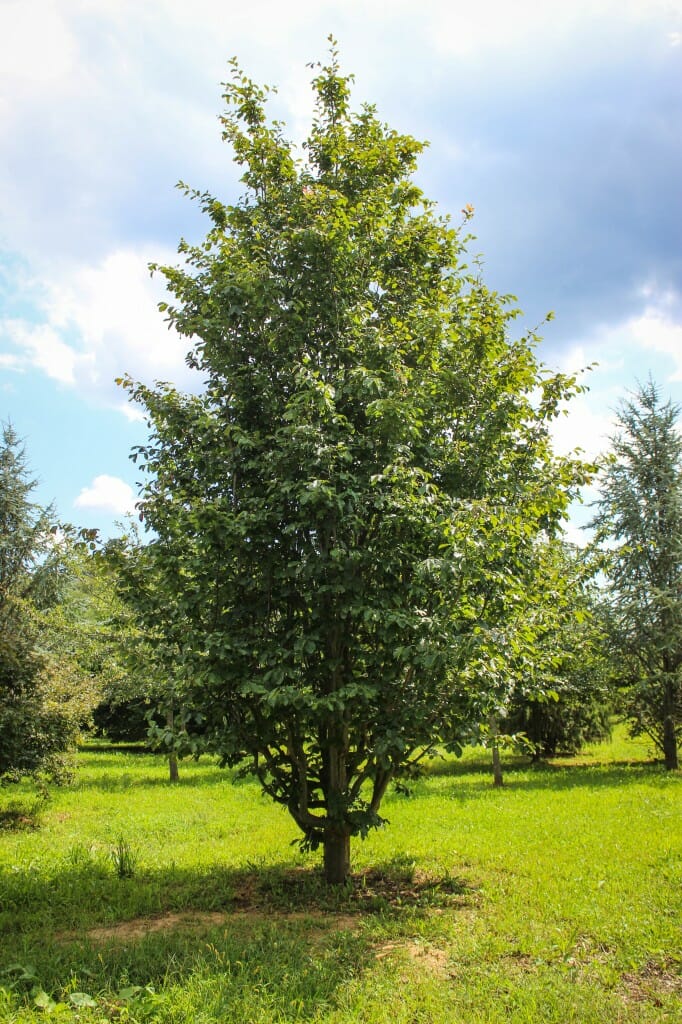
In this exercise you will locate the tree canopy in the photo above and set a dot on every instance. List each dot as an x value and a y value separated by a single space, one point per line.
640 516
41 701
342 519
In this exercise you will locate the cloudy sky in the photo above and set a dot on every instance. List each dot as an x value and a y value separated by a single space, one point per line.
560 123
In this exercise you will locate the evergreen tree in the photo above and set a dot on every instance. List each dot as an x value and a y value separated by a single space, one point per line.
640 515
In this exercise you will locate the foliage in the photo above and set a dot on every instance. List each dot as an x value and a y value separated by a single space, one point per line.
88 626
41 700
563 696
342 518
99 620
145 706
122 721
640 519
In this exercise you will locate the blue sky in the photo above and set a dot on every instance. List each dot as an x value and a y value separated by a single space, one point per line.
560 123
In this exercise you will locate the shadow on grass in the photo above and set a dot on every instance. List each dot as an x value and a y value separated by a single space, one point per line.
109 747
225 936
22 814
475 778
84 892
254 969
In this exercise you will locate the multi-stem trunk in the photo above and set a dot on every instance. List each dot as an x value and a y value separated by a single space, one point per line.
335 754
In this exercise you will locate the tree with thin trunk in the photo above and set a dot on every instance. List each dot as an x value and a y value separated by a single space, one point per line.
43 696
640 516
358 485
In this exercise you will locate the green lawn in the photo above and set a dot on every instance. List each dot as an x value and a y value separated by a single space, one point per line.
555 899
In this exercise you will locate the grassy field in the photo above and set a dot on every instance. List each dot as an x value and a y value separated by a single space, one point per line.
555 899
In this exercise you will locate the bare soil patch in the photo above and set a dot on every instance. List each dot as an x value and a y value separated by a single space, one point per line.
427 958
194 921
652 982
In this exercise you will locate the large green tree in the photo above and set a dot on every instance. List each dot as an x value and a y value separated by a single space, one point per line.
640 516
342 517
42 701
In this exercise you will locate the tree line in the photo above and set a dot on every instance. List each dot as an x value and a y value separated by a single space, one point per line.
354 552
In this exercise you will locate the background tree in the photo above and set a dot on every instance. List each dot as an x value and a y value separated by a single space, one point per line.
535 677
146 700
96 629
640 516
360 481
563 695
42 703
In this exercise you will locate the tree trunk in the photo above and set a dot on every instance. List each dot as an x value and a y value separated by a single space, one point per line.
336 858
670 739
497 766
173 773
495 747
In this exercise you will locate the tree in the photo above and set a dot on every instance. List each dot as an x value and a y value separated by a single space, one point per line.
339 517
144 703
563 698
41 702
93 627
537 680
640 516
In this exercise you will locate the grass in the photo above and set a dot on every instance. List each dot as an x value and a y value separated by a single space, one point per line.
551 901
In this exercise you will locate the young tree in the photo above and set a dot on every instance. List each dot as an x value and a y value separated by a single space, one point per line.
41 702
143 704
361 480
562 697
640 515
539 671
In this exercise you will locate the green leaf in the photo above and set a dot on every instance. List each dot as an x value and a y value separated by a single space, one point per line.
81 999
43 1001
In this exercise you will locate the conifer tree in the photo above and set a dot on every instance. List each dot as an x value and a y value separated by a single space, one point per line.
640 515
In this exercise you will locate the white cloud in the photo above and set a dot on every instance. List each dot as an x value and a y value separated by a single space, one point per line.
11 362
469 29
112 308
625 354
656 331
42 348
585 426
99 322
107 494
36 47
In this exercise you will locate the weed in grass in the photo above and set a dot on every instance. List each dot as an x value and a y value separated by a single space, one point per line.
124 859
22 814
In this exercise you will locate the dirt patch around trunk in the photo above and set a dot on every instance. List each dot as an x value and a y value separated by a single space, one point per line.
197 922
294 895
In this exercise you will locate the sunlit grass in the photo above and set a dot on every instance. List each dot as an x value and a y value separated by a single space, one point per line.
554 899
